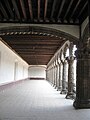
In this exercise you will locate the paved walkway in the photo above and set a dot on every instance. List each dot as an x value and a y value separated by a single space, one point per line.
37 100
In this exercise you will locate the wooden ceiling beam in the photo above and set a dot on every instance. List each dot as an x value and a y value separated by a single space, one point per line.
68 9
45 9
38 9
61 7
32 37
38 56
28 53
28 46
74 9
28 39
42 48
35 50
3 11
35 44
86 3
16 9
23 8
30 9
9 8
53 8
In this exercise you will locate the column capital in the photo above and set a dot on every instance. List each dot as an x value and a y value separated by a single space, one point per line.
70 59
84 52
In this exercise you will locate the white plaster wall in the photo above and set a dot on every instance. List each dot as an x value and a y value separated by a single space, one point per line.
70 29
37 72
84 24
7 65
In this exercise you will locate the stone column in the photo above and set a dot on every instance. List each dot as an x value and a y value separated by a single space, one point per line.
47 74
64 77
59 78
70 93
83 69
83 79
70 59
54 75
50 74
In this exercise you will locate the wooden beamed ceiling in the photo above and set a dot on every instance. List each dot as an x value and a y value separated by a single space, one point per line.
34 49
43 11
32 43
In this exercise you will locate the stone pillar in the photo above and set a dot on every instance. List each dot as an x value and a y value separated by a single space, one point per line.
59 78
47 74
83 69
56 77
70 93
70 59
83 79
55 82
64 77
53 74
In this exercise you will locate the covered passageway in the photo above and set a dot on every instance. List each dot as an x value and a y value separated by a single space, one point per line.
44 59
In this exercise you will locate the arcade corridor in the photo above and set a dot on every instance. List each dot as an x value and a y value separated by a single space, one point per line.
37 100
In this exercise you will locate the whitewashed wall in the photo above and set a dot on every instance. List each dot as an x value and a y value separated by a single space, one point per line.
12 67
37 71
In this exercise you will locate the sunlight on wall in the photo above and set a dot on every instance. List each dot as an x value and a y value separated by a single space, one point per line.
36 71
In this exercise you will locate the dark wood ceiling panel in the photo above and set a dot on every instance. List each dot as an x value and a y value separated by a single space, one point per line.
38 9
5 15
35 9
35 49
61 8
69 6
73 12
23 8
43 11
16 9
83 8
7 5
30 9
39 47
53 8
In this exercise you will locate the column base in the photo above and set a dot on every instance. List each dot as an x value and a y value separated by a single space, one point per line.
55 87
82 104
59 88
63 92
70 96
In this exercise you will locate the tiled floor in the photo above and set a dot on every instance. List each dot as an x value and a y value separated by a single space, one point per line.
37 100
